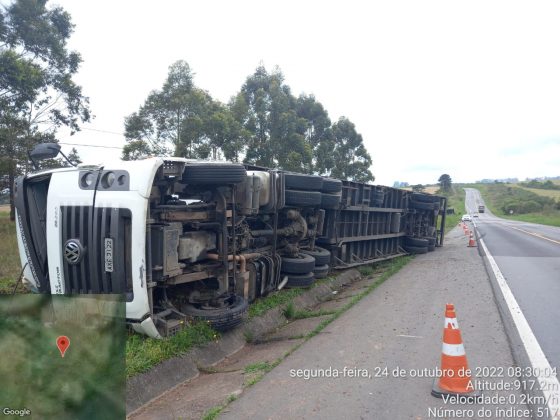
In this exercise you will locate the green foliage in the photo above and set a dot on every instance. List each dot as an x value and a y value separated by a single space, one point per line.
258 366
9 259
445 182
89 382
276 131
351 157
418 188
289 310
517 200
182 120
37 92
546 185
143 353
455 200
264 124
213 413
526 205
273 300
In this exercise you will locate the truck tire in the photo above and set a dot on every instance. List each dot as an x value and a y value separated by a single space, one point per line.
416 242
322 256
303 182
331 185
214 173
424 198
321 271
300 280
301 264
420 205
416 249
303 198
330 201
221 319
431 248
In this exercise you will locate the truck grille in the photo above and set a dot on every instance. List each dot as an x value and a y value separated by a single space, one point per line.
102 232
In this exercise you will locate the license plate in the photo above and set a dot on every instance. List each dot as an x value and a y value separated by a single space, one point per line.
108 255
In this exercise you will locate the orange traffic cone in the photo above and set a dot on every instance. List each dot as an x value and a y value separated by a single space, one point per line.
455 376
467 231
472 243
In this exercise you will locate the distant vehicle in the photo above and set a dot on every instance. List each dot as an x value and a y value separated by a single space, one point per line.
466 218
475 215
481 209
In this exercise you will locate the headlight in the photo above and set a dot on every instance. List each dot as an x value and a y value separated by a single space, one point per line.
108 180
87 179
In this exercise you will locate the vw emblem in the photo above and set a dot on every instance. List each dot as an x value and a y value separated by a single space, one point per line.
73 251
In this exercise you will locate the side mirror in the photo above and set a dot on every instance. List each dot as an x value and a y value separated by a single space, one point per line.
44 151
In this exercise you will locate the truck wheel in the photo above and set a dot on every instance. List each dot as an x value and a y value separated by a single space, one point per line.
221 319
322 256
424 198
303 198
300 280
321 271
416 249
331 185
330 201
431 248
214 173
420 205
303 182
301 264
416 242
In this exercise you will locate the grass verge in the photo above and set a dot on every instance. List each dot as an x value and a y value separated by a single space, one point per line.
455 199
501 197
214 412
264 304
9 258
143 353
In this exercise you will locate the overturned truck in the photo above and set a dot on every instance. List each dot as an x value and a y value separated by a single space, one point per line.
183 239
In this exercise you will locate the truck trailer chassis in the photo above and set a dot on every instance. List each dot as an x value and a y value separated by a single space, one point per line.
184 239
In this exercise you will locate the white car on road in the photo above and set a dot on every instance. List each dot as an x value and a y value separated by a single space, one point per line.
466 218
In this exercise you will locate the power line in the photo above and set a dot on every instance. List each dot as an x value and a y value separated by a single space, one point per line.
91 145
102 131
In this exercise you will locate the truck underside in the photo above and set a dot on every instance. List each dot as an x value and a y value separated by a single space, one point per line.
208 238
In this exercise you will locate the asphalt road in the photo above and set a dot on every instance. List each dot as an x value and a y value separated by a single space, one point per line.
395 334
528 255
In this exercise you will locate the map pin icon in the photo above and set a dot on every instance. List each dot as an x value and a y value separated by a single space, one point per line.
62 343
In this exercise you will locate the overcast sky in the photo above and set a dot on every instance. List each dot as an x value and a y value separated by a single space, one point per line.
466 88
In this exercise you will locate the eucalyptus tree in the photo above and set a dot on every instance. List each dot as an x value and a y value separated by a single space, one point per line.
37 92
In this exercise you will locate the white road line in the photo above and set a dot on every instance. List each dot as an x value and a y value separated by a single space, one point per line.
548 383
409 336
